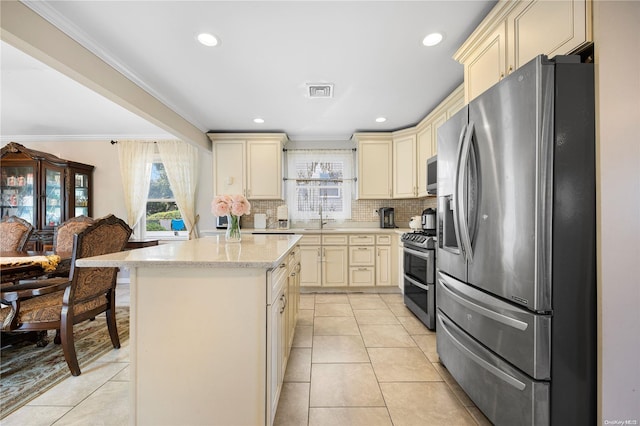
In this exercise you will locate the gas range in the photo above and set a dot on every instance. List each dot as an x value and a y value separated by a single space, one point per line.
419 239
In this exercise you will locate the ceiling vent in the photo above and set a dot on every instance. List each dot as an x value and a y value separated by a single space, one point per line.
320 90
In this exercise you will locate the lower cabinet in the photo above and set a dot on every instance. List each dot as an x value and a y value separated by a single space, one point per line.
282 318
335 266
347 260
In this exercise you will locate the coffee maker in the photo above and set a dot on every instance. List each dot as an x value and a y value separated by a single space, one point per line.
387 219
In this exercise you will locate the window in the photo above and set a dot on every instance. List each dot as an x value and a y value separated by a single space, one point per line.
319 178
162 215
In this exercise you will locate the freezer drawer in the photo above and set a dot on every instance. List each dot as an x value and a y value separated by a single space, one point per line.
501 392
521 337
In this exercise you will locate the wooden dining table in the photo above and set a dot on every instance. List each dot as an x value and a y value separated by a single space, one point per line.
10 272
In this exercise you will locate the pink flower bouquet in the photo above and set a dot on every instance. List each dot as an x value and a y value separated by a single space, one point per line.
236 205
232 206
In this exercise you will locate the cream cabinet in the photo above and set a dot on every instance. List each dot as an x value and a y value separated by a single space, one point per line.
514 32
311 261
248 164
375 155
427 135
335 261
283 315
277 336
384 261
404 164
362 260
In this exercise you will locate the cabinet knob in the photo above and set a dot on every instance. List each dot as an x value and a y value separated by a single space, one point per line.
510 70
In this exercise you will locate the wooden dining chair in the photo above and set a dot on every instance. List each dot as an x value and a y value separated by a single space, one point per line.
63 233
59 303
14 233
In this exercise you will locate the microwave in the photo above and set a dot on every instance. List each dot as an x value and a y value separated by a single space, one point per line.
432 175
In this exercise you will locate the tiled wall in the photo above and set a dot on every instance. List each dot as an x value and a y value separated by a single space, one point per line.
361 210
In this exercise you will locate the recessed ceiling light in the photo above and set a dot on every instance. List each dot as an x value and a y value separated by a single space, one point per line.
432 39
207 39
258 120
380 120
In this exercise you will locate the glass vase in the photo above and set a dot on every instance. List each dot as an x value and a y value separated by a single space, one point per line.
233 229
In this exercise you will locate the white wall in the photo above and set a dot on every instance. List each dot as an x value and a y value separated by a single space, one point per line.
107 184
618 104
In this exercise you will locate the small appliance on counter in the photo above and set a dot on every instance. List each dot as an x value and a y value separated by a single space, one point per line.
282 214
222 221
259 221
429 222
387 219
415 223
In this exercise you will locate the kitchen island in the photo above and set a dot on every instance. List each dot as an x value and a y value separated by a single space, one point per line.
211 326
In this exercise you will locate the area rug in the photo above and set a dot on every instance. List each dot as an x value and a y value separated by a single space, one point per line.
28 371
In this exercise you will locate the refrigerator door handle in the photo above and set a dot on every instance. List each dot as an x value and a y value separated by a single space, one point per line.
479 360
455 197
504 319
461 193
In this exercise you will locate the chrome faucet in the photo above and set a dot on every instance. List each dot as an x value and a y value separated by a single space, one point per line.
322 222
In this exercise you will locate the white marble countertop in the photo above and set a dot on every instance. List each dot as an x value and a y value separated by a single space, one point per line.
329 230
255 251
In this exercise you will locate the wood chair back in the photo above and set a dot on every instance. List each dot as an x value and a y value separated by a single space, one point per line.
14 233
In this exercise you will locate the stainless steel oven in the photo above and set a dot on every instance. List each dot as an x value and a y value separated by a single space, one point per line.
419 259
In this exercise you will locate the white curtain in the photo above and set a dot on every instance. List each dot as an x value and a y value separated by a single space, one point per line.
180 161
135 157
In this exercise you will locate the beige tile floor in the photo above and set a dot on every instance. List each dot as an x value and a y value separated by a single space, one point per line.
364 359
357 359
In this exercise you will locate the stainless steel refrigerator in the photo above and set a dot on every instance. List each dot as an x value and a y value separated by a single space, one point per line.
516 267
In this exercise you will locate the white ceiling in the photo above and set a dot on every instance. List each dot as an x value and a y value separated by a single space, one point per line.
370 50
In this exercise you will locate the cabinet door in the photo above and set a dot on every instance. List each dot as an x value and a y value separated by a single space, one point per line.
424 148
487 65
80 196
404 167
310 266
438 121
383 266
335 266
362 256
362 276
53 198
229 167
264 170
18 192
546 27
276 351
374 169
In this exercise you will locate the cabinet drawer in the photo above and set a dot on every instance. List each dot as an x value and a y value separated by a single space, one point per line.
361 255
278 278
383 240
311 240
335 240
361 240
362 276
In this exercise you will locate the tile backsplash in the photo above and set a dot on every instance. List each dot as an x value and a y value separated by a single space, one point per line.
361 210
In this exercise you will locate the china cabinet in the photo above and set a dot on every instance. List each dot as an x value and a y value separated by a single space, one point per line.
43 189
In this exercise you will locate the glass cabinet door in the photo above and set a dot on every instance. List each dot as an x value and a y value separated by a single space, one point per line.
81 194
53 190
18 197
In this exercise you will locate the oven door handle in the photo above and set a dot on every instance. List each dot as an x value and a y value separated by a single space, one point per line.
416 253
416 283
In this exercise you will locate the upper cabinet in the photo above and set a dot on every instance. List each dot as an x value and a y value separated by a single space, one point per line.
404 164
515 32
43 189
374 165
248 164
